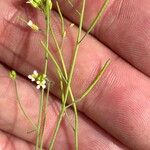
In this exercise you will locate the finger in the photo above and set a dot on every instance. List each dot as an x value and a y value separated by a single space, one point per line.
119 77
124 27
10 142
13 121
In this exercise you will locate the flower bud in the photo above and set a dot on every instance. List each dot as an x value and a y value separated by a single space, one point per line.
32 25
12 75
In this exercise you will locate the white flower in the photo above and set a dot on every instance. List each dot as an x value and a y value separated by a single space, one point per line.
33 76
40 79
41 84
35 73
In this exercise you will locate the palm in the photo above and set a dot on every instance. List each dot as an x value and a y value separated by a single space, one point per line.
116 115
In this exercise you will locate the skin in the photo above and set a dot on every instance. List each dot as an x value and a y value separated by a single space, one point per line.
116 115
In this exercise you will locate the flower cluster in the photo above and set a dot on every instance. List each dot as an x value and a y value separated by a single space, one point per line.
40 79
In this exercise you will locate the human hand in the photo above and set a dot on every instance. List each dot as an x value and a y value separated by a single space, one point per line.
116 114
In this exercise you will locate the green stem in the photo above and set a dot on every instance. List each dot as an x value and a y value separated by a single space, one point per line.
94 22
61 86
59 71
61 18
76 121
66 76
54 61
68 120
76 52
47 18
44 113
60 74
69 79
39 122
39 140
92 85
68 89
70 3
57 128
89 89
21 107
59 50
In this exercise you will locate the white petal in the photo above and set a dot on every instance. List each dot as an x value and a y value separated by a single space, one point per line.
38 82
29 76
30 23
38 87
32 79
35 73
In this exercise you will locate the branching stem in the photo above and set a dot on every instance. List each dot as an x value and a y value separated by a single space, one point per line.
41 124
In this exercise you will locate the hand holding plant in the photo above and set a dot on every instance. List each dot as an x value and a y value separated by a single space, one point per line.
70 64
